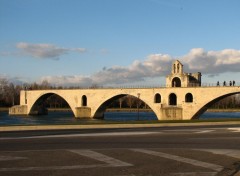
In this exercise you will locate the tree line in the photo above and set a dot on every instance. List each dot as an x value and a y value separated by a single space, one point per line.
10 95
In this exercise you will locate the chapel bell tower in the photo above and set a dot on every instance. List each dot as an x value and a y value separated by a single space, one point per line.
178 78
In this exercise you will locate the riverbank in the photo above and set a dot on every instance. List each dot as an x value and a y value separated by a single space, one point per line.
223 110
150 110
111 126
5 109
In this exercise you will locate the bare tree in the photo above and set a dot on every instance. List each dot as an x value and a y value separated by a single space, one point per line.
45 85
3 89
120 102
130 100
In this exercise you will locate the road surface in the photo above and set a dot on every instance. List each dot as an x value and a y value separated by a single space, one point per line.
174 151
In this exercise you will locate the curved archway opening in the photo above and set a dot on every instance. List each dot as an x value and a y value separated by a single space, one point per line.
52 106
157 98
84 100
221 107
189 98
125 107
173 99
176 82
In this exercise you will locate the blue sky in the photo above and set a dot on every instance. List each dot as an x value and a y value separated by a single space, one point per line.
118 42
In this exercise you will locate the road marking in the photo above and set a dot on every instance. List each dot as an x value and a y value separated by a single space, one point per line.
204 131
108 162
84 135
194 174
227 152
51 168
190 130
10 158
182 159
236 130
181 130
100 157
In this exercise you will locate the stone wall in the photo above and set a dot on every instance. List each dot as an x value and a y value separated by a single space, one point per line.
18 110
171 113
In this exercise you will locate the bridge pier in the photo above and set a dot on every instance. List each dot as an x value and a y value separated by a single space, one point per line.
171 113
83 112
18 110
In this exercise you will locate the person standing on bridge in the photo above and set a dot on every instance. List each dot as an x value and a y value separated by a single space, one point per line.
218 83
233 83
230 83
224 83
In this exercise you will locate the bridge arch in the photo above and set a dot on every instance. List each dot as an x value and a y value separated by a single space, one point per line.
38 106
203 108
99 113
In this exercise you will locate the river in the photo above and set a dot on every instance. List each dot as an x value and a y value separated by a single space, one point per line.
68 118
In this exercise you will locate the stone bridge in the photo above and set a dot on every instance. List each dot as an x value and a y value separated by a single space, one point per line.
183 97
168 103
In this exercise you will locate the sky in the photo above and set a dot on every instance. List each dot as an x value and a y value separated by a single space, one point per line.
118 42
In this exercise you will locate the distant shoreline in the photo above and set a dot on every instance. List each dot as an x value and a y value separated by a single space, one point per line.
5 109
223 110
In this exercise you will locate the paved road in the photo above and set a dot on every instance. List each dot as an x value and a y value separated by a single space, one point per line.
174 151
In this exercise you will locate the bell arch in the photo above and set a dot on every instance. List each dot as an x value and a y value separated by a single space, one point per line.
39 106
176 82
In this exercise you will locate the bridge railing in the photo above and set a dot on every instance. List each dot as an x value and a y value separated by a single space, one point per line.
116 87
237 84
227 84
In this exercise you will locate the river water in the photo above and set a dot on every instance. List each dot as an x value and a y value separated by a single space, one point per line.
68 118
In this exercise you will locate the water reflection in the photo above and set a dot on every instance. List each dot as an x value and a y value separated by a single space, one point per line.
68 117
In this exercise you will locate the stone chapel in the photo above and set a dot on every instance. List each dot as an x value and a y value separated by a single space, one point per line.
178 78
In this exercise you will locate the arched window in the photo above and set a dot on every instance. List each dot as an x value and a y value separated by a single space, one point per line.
84 100
157 98
172 99
189 98
176 82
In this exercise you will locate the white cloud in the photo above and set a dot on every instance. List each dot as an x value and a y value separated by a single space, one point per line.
76 80
210 63
80 50
45 51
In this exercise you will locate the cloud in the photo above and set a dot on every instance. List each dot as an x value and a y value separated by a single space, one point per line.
154 65
45 51
17 80
211 63
80 50
77 80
